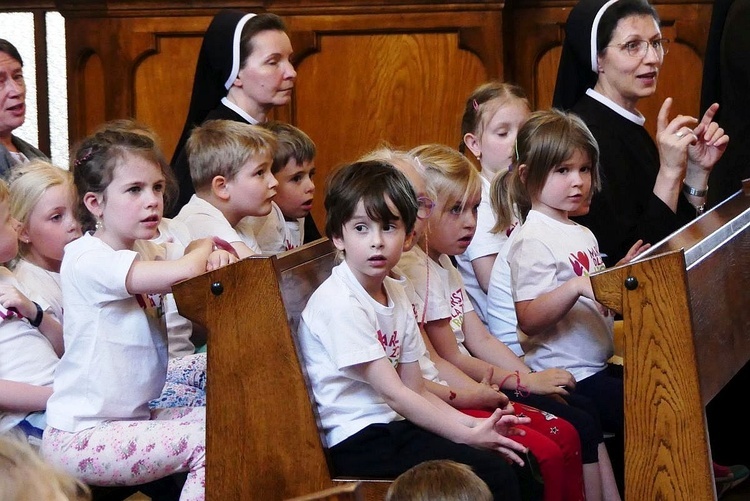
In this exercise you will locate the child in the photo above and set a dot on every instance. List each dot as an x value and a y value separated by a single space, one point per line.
293 167
554 442
456 331
438 480
24 476
27 337
230 163
42 201
360 345
100 428
492 116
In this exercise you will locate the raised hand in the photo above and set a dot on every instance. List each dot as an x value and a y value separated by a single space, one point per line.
673 139
709 141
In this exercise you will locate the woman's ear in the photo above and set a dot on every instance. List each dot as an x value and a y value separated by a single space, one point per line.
471 142
94 202
599 64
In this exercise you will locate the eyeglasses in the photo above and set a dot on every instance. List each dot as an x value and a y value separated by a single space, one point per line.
639 48
424 207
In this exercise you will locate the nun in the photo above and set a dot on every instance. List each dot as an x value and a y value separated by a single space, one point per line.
611 58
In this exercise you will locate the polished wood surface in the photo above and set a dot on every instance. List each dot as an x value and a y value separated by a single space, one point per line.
262 437
347 492
685 310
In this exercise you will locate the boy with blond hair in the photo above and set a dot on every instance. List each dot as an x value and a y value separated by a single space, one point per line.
230 165
293 167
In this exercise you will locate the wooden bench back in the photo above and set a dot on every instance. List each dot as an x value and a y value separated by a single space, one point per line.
686 317
262 439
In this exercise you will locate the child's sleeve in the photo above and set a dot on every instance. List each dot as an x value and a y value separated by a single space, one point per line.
533 269
344 330
102 273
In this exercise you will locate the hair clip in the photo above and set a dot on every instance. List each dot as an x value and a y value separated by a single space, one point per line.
476 105
85 158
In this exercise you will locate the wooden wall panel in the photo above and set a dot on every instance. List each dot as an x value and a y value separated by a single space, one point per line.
92 86
162 86
147 68
406 89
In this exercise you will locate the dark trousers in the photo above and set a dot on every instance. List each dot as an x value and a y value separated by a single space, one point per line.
387 450
606 389
579 411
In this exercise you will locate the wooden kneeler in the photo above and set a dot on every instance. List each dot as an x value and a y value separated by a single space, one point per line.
262 437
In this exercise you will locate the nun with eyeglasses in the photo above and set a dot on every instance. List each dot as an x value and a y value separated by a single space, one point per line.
611 58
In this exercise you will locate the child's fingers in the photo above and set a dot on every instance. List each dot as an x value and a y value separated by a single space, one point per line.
488 373
511 456
224 245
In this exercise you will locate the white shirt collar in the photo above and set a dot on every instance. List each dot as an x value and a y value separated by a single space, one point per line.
636 119
229 104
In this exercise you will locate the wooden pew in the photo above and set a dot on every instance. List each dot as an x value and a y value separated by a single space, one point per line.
262 437
686 333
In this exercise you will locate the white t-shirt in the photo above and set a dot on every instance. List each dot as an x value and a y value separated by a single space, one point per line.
428 367
41 286
273 233
171 231
115 358
439 285
545 254
501 309
26 356
179 328
484 243
204 220
341 327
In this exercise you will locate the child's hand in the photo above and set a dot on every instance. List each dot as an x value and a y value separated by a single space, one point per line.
549 382
219 258
493 433
201 245
483 396
12 298
637 248
224 245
